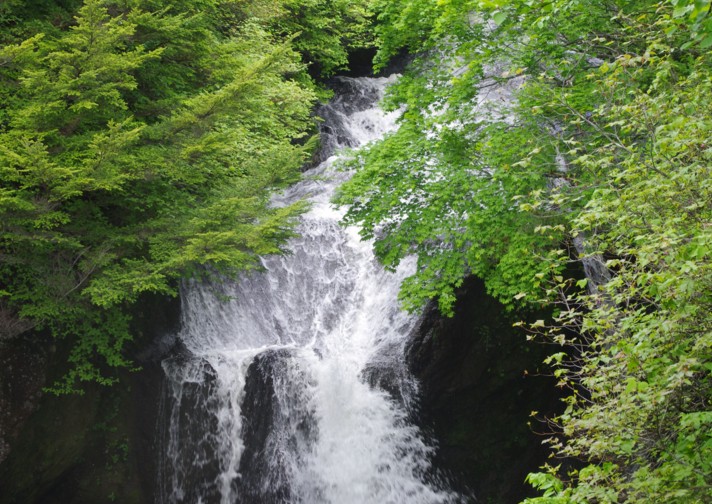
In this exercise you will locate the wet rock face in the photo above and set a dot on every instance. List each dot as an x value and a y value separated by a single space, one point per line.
22 376
195 426
97 447
351 97
386 371
479 381
273 427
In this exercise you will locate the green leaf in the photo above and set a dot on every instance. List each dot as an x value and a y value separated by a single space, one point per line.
499 17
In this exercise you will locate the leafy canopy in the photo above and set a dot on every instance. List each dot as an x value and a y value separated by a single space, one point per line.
542 139
140 141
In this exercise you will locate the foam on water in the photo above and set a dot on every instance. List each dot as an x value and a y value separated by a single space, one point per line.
271 400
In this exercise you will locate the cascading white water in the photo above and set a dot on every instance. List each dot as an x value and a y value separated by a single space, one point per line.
276 396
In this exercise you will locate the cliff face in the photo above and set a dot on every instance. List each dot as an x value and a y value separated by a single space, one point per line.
480 381
95 447
478 384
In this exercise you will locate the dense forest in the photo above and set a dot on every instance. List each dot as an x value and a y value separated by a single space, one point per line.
559 151
140 142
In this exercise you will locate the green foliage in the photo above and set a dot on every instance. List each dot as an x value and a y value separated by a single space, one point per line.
402 24
432 188
642 390
602 155
139 143
326 30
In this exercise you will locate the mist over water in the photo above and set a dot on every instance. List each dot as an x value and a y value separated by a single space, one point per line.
276 396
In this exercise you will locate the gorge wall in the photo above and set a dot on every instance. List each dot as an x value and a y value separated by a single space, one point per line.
480 380
475 403
89 448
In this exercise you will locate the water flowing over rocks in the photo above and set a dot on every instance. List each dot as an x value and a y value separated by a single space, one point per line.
274 425
301 383
308 396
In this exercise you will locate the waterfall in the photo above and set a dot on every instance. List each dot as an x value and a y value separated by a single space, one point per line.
290 386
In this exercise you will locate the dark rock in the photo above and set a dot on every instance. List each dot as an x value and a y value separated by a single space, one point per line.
95 447
275 429
23 363
361 62
479 382
398 63
386 371
189 414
